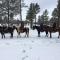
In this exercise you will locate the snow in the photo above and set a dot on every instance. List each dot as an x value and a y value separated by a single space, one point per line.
32 48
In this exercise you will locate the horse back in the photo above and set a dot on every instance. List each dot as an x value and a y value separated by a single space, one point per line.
26 29
51 29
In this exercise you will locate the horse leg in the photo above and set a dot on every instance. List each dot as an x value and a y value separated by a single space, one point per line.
59 35
25 34
11 35
18 34
38 34
4 35
46 33
28 33
50 35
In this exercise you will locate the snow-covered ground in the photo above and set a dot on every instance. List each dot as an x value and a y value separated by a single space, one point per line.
32 48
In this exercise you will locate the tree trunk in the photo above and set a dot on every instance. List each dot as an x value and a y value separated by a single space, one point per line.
31 23
8 13
58 22
35 20
20 11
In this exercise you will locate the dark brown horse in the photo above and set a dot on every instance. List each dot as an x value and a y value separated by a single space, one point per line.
53 30
6 29
22 30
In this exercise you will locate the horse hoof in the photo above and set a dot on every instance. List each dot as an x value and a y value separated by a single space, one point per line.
11 37
38 36
50 37
17 36
2 38
27 36
58 36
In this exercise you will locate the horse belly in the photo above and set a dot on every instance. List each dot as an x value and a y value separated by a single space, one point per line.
42 30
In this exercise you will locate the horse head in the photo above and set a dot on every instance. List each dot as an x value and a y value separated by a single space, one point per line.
14 27
34 27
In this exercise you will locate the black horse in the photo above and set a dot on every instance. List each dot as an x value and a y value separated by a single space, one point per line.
6 29
41 28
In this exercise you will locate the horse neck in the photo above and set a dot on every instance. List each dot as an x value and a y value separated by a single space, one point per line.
17 29
37 27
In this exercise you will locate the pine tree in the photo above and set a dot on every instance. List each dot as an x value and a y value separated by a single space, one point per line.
10 8
37 10
54 17
58 8
30 14
54 13
44 16
33 10
13 7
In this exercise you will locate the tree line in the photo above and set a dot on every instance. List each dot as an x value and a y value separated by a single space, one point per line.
44 18
9 8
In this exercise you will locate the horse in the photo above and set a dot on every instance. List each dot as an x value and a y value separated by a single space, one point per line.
6 29
1 30
41 29
52 29
20 29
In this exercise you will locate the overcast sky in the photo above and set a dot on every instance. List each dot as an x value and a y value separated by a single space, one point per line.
44 4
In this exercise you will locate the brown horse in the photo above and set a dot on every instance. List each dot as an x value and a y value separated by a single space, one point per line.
22 30
53 30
